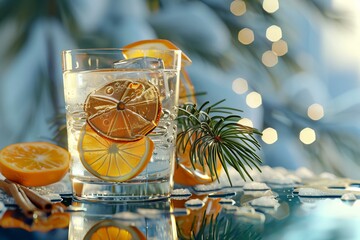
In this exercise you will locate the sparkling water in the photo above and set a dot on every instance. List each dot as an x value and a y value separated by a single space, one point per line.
155 181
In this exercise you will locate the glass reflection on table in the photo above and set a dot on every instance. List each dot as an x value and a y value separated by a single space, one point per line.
122 221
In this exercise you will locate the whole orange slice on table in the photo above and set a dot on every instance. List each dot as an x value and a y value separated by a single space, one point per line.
34 163
186 89
124 110
113 161
110 229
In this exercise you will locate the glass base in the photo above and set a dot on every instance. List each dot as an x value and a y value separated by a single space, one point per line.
94 190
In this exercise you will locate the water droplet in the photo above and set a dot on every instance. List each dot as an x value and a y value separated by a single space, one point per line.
109 90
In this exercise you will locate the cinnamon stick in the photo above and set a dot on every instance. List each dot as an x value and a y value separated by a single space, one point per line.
38 200
21 199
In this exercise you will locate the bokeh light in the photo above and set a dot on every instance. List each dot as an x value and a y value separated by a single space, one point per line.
246 36
307 136
315 111
240 86
254 100
246 122
269 135
280 47
270 6
269 58
238 7
274 33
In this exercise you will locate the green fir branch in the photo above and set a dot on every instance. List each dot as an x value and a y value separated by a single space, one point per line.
216 138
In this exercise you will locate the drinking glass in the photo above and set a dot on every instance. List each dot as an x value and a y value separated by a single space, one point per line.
121 109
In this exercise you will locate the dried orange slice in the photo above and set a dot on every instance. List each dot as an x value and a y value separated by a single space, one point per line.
186 90
185 174
110 229
124 110
34 163
113 161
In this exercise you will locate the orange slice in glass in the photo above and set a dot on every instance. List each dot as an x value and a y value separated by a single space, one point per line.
186 91
110 229
113 161
124 110
34 163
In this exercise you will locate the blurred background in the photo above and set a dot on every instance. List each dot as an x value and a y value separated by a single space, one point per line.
291 66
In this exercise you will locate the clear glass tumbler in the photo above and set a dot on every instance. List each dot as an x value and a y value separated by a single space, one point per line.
121 109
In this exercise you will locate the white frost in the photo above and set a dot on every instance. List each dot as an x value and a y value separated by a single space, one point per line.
181 192
327 175
304 173
255 186
266 201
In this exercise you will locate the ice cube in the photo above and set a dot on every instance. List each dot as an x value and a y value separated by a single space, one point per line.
140 63
145 68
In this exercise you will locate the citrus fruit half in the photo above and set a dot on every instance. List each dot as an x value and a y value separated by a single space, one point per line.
110 229
186 89
185 174
113 161
34 163
124 110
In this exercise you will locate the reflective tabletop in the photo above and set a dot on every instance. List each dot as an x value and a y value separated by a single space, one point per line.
268 211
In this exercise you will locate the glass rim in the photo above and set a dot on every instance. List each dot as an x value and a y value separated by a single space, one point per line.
87 50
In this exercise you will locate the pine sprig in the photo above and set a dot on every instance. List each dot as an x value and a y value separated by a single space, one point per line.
215 135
